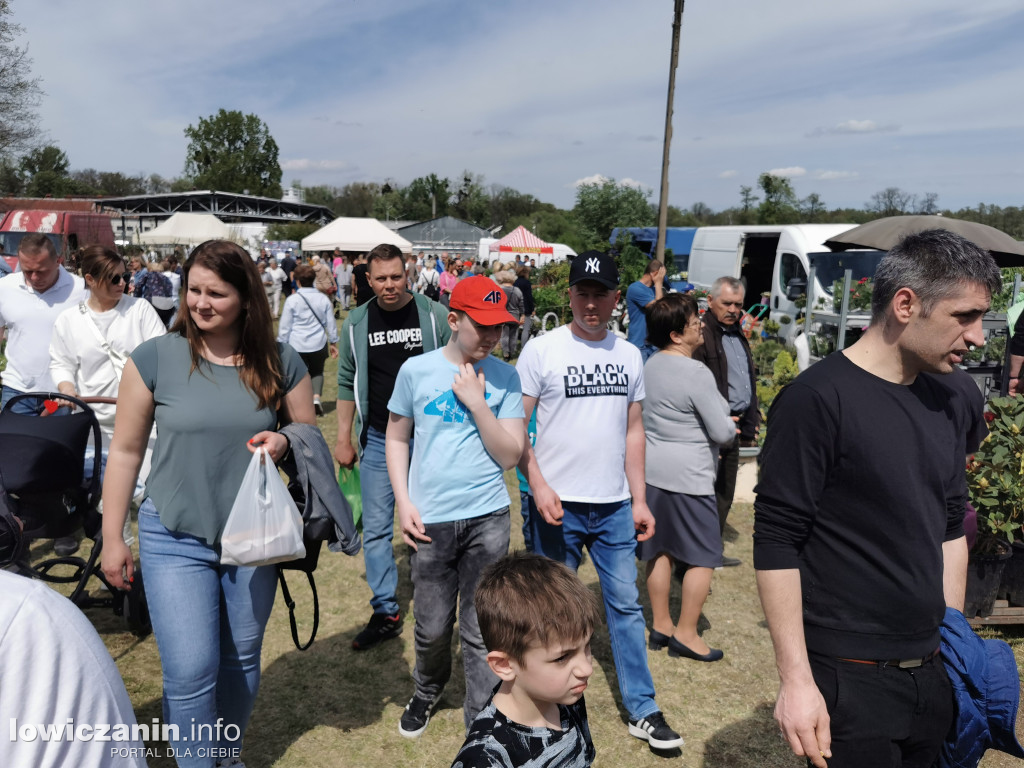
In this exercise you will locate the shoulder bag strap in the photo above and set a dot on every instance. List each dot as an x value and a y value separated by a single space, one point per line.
116 358
323 323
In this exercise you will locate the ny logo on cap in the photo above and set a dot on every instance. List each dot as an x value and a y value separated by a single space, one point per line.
593 265
494 297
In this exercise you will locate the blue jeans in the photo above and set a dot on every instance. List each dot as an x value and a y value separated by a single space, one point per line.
524 510
445 573
606 530
208 620
378 524
30 406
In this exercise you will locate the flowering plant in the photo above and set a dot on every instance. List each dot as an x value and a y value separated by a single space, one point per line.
995 473
860 295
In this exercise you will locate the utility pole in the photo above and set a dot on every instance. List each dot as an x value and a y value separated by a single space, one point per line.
677 22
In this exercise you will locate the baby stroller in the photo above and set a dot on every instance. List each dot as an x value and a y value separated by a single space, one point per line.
42 462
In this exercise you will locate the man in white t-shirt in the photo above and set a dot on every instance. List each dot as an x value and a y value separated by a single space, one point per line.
586 473
279 276
30 301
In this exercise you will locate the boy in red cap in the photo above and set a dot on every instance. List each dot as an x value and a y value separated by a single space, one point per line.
463 406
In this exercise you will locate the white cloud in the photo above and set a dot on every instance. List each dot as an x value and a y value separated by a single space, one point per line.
628 182
791 172
834 175
600 178
596 178
728 174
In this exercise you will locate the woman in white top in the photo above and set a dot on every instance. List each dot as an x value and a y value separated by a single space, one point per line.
92 340
309 327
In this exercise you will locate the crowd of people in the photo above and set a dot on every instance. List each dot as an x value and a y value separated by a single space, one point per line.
625 448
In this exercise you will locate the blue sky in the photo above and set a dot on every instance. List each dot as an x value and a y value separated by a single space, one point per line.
845 97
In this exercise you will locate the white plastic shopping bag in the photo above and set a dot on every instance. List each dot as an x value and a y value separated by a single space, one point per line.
264 526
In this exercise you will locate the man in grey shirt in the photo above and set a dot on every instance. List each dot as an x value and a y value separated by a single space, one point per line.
726 352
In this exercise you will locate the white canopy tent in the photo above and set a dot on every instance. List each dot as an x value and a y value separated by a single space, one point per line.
188 229
350 234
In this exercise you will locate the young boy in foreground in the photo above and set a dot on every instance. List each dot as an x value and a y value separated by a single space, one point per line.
536 618
453 508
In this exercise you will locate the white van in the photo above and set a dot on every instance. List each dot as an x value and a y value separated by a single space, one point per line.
766 258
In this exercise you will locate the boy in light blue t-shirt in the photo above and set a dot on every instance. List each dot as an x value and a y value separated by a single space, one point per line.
465 409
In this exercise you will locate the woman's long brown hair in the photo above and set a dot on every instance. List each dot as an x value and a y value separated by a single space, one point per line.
261 369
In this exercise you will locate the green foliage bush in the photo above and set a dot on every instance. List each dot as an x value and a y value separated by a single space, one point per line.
551 294
995 473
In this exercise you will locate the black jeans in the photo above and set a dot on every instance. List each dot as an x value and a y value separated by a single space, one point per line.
315 365
882 716
725 480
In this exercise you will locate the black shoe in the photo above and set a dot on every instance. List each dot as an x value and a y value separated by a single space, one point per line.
318 408
416 716
730 562
677 649
65 546
656 640
380 627
655 731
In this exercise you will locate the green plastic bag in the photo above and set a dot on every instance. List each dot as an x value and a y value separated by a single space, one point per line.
348 481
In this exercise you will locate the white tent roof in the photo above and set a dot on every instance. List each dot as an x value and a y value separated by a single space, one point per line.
354 235
187 229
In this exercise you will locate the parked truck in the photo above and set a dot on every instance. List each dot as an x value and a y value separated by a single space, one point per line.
774 262
69 231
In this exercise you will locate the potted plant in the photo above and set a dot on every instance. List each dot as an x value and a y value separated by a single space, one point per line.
974 357
995 349
995 482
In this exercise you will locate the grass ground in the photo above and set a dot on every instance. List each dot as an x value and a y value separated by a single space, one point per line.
333 706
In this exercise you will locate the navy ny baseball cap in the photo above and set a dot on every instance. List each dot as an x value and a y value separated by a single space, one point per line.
597 266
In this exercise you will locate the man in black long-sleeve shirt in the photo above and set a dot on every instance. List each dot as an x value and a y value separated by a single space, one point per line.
858 541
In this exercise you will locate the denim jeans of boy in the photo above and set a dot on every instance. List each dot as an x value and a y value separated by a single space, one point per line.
606 530
445 573
208 620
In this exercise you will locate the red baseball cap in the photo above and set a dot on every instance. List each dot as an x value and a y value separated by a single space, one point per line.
482 299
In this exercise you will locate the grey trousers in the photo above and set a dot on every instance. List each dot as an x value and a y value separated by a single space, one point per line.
445 573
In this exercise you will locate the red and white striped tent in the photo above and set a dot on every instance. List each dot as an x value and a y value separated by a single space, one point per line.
521 240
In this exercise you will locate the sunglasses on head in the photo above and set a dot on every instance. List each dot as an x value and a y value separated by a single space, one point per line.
116 279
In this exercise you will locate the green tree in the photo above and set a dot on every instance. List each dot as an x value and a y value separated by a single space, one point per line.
812 209
779 205
20 94
45 172
12 184
891 201
426 198
602 206
292 231
748 201
470 202
233 152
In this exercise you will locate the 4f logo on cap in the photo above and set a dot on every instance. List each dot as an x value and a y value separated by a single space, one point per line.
494 297
594 266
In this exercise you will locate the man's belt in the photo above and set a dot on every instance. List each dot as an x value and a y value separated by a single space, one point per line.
901 663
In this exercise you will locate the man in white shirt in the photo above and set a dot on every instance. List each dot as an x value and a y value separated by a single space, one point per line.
279 276
586 473
30 301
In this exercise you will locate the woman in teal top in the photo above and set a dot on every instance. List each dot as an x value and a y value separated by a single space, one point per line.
217 386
